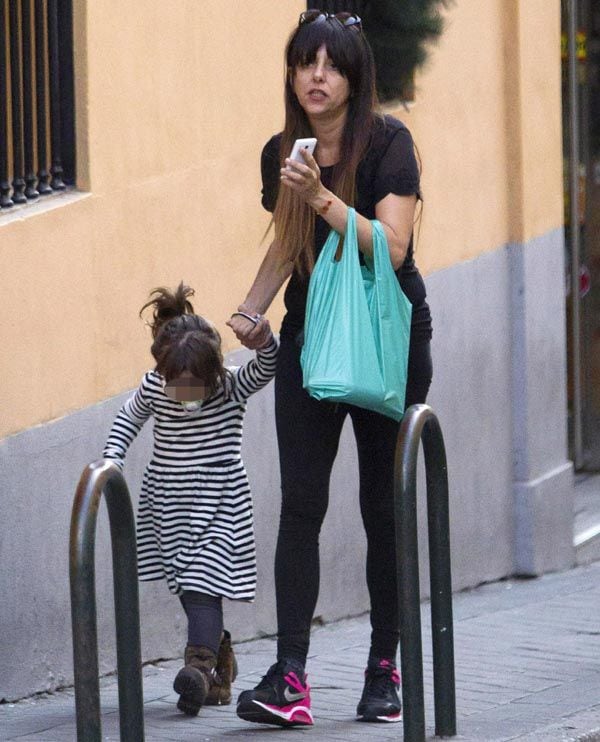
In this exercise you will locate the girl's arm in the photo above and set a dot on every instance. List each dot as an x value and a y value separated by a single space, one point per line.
127 424
257 373
396 213
271 276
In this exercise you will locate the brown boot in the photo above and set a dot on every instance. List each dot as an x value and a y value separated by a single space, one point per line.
194 680
224 675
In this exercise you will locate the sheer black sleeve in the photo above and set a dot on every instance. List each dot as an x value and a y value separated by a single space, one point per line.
269 168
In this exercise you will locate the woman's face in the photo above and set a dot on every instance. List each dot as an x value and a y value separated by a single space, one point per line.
320 87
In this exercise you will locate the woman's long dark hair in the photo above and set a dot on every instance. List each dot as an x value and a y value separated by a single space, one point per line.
351 53
184 341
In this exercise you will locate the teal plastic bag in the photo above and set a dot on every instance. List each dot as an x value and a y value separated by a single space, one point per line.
357 327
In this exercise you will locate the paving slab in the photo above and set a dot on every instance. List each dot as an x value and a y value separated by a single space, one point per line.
527 668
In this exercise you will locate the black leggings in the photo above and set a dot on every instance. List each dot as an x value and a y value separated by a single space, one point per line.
308 433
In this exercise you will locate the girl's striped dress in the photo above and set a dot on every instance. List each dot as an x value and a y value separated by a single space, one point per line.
195 526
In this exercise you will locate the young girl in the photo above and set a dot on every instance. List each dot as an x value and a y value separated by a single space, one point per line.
194 524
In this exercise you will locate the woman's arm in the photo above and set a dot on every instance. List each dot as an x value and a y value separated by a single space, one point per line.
396 213
271 276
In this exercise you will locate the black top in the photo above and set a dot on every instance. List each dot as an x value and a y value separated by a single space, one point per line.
389 166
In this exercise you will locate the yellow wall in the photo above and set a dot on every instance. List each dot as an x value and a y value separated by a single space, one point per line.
173 106
487 121
174 103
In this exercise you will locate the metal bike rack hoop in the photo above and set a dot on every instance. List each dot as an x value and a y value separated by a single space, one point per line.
105 477
420 423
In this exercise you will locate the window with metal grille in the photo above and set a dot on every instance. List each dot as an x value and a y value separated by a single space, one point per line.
37 111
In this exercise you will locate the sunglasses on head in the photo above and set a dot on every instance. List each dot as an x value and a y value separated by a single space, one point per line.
318 16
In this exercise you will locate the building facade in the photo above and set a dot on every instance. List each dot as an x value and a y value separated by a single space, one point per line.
172 108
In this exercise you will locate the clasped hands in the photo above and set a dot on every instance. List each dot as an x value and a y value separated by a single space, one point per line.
253 334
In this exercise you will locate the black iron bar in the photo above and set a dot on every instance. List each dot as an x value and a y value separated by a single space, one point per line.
5 199
67 91
83 611
127 613
440 579
407 563
421 422
28 101
575 10
41 75
104 476
16 89
56 170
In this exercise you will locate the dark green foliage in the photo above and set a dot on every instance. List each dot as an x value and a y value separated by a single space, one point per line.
398 31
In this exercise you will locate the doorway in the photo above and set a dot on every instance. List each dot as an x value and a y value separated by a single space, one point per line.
581 127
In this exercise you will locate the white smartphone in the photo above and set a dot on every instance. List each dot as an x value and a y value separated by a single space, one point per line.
307 144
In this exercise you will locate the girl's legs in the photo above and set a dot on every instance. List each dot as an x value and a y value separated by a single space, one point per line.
205 619
195 681
205 630
308 433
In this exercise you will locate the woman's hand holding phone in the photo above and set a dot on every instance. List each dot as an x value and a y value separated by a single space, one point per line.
301 172
308 145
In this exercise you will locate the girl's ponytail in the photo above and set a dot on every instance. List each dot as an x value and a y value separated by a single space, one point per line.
167 305
184 341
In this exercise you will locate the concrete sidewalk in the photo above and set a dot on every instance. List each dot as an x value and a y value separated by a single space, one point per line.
527 668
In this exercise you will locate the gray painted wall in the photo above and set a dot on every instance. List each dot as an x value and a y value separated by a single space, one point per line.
499 351
471 396
543 477
498 390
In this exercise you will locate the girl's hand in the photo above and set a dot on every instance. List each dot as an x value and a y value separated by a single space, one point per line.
304 178
253 336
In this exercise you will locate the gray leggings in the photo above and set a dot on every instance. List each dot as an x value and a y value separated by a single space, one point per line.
205 618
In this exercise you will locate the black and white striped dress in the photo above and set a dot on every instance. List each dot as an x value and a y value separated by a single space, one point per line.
195 526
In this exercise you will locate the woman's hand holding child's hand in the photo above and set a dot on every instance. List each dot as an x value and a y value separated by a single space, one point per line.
253 336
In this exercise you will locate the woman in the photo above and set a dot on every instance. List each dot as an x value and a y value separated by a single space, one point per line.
366 160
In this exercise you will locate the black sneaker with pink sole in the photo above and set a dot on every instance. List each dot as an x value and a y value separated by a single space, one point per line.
380 701
282 697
